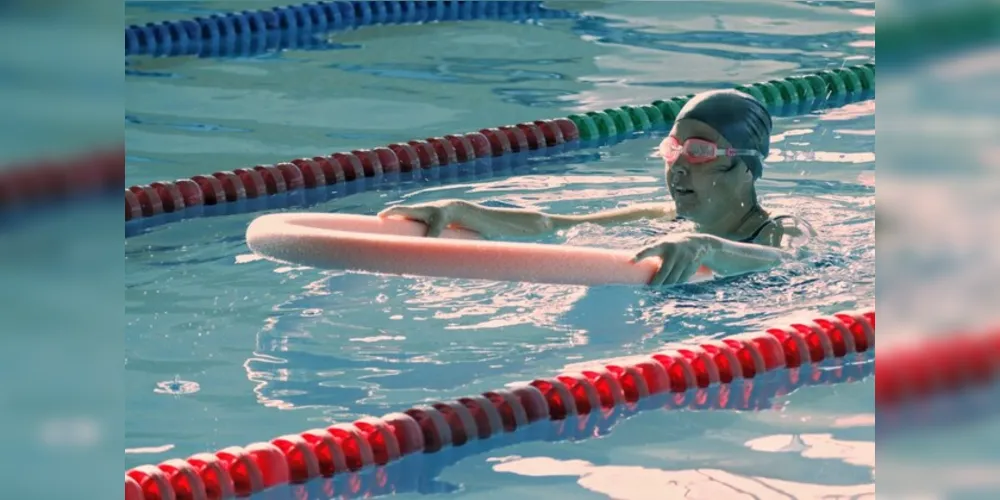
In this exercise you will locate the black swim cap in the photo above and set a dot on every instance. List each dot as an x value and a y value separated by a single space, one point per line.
740 118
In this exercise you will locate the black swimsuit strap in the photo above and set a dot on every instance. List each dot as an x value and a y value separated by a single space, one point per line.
753 236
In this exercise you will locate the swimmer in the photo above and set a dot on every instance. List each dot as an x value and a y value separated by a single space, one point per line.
714 155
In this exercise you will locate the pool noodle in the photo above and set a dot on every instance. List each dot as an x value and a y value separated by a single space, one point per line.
399 246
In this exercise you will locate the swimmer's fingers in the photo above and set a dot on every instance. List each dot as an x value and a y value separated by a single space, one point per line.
674 276
666 268
388 212
655 251
686 272
436 223
645 253
399 211
421 214
436 218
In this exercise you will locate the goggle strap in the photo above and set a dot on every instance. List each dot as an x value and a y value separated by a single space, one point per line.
741 152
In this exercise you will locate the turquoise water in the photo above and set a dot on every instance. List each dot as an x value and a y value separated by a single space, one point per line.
223 349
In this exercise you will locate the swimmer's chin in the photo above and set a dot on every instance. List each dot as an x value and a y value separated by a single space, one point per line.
685 202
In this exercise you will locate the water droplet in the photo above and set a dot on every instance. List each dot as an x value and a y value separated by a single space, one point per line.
382 298
177 386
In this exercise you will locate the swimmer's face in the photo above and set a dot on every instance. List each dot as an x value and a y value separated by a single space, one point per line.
704 192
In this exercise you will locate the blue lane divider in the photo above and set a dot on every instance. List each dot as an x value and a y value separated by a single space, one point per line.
251 32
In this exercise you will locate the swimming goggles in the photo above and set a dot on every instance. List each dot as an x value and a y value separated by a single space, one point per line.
699 150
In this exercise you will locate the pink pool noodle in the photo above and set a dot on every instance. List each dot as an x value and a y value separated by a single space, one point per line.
399 246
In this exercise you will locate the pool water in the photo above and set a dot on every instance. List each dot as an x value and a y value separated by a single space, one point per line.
226 349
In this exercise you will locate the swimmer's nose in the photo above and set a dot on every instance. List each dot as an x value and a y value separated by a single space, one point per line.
679 168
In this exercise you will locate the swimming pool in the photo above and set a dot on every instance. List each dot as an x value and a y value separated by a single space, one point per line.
224 349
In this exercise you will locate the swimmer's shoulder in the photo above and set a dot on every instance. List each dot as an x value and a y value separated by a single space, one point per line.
779 228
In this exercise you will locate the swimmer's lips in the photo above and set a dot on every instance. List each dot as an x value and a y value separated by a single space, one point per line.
680 192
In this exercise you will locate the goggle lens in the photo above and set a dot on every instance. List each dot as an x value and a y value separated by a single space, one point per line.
695 150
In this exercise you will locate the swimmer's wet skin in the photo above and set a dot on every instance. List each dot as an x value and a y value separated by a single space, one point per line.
713 157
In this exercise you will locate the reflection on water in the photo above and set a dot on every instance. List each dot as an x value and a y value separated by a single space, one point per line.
641 483
850 111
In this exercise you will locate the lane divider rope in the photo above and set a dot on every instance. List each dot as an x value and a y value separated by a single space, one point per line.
412 472
428 428
295 26
791 95
944 365
30 183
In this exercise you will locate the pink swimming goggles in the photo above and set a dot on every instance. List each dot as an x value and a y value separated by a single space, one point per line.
697 151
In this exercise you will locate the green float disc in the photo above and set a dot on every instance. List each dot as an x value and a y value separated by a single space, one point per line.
787 90
586 126
655 116
771 94
605 124
638 117
867 77
754 91
623 122
669 110
850 79
834 83
819 86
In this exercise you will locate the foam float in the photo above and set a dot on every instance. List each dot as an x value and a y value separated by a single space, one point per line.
365 243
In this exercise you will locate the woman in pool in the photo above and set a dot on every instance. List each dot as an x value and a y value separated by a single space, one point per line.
714 155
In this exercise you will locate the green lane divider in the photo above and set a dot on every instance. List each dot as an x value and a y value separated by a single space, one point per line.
800 90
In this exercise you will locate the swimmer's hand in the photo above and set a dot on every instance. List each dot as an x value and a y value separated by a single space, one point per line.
682 255
436 215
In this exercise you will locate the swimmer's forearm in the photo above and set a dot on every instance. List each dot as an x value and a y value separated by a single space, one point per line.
491 221
615 216
523 222
730 258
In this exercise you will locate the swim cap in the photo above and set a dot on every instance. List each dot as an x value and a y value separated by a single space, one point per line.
740 118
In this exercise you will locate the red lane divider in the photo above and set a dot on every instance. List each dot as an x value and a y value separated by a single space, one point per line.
263 180
42 181
960 362
304 455
745 395
343 448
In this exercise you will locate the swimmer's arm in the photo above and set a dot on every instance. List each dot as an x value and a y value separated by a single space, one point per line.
495 221
614 216
732 258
